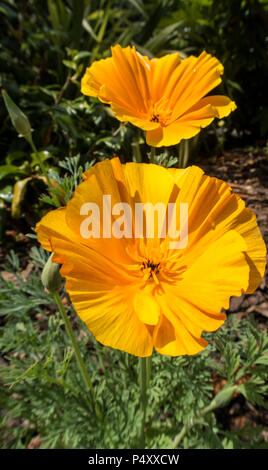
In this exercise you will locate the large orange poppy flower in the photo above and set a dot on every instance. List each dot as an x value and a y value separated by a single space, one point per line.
138 293
166 97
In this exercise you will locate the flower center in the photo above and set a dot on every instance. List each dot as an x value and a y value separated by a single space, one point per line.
155 118
150 270
160 112
154 263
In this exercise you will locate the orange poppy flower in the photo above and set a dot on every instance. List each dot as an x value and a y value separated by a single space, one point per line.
165 97
136 292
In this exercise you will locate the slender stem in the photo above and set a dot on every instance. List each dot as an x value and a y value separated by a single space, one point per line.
64 87
183 153
44 171
145 371
136 148
70 78
71 335
152 155
148 370
212 406
186 153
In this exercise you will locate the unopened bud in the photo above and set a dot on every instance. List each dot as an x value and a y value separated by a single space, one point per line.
18 118
51 277
225 395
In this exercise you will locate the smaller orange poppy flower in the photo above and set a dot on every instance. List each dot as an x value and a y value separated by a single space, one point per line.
165 97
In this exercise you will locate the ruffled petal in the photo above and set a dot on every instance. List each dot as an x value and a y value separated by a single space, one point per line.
246 226
104 187
194 304
104 299
219 106
213 210
199 75
190 123
148 183
121 80
54 225
173 133
146 306
173 339
219 272
164 69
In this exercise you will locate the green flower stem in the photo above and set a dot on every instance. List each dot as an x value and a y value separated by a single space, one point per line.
137 156
152 155
212 406
42 167
221 399
186 153
148 370
145 372
183 153
71 335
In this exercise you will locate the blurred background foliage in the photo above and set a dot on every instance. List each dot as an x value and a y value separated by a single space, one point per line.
46 45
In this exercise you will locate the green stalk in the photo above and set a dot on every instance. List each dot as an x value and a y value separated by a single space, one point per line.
221 399
186 153
152 155
148 370
183 153
40 163
191 423
144 372
71 335
137 157
45 173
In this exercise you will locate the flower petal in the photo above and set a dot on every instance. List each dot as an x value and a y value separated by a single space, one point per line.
163 70
246 226
146 307
173 133
199 75
54 225
221 106
172 339
194 303
106 307
220 272
121 80
190 123
143 179
137 119
104 179
221 211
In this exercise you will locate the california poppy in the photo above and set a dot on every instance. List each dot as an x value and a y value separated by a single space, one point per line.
136 292
165 97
